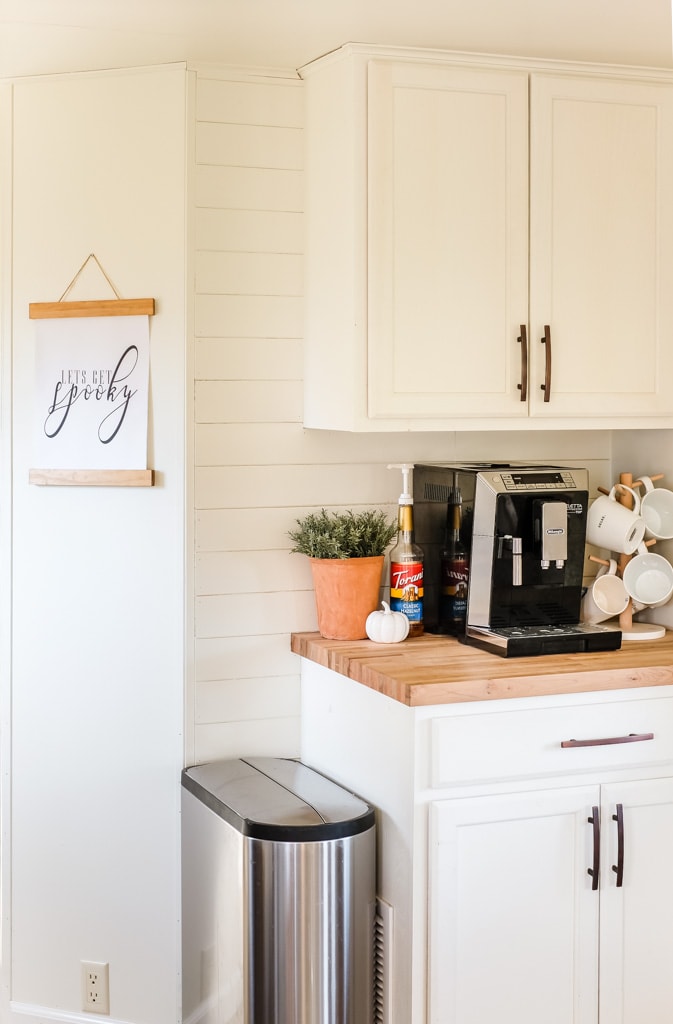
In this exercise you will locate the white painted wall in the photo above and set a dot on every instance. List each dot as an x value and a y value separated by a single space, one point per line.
97 623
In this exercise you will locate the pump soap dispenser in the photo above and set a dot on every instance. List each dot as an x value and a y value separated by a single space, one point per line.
406 560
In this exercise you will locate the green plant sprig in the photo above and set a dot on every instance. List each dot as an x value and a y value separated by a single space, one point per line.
343 534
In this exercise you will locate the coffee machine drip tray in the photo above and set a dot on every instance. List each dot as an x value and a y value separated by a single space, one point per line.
519 641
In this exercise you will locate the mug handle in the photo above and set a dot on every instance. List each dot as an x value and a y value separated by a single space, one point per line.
645 546
607 569
623 487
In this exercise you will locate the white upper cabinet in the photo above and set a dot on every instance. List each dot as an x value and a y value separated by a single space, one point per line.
601 246
429 286
447 240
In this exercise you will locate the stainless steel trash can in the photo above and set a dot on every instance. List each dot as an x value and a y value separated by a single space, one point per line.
278 867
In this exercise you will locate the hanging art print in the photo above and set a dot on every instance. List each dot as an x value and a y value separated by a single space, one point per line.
91 392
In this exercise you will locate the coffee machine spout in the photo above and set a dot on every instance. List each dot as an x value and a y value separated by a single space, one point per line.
517 551
517 573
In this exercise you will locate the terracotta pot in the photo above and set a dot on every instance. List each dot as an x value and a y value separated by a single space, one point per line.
346 591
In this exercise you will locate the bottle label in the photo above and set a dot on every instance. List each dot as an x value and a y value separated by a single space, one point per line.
406 589
455 575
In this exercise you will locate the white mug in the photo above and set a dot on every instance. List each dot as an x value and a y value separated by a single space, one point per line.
605 597
648 579
613 526
656 508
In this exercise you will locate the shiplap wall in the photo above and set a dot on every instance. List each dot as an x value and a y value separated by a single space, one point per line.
255 468
248 325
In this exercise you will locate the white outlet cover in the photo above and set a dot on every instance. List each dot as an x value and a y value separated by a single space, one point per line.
95 987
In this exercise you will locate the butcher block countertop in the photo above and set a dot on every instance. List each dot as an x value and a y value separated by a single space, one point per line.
440 670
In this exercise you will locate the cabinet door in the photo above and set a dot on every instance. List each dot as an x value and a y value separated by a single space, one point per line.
636 980
601 246
447 240
513 917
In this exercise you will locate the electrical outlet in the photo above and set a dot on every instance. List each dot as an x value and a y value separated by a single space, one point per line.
95 987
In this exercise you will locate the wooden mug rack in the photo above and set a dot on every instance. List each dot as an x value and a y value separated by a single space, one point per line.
631 630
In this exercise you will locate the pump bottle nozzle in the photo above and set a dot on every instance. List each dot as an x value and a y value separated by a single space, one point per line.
406 467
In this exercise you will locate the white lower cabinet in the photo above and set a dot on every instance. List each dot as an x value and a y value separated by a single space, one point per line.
486 844
636 976
511 889
524 929
513 917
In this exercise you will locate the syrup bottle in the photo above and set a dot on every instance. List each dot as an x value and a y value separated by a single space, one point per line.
454 571
406 560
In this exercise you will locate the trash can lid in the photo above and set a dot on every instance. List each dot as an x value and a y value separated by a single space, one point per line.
278 799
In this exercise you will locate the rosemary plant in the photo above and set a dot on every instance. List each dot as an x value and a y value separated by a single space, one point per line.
343 534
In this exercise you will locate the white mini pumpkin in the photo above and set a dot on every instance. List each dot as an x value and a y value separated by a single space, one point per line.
387 627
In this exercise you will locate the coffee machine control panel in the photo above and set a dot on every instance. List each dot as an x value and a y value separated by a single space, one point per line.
534 480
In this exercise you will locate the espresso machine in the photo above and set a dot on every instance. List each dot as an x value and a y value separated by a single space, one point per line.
525 529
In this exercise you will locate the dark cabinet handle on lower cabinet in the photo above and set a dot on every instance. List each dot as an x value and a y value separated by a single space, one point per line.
618 868
593 871
523 341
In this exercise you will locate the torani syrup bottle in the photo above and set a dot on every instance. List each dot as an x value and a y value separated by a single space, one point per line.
454 571
406 560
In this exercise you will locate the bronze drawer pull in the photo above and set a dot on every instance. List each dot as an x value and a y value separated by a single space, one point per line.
593 871
618 868
546 341
523 341
633 737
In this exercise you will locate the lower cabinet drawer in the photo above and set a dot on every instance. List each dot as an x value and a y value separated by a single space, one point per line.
548 741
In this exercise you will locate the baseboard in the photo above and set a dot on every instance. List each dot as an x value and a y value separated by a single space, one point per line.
25 1013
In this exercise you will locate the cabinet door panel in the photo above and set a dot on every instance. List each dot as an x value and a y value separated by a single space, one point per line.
513 918
448 221
636 981
601 245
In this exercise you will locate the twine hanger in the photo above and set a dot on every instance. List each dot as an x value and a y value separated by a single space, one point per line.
91 256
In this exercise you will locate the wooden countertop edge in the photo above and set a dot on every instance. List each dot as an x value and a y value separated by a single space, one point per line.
439 670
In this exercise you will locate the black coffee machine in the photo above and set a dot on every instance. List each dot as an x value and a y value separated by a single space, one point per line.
525 529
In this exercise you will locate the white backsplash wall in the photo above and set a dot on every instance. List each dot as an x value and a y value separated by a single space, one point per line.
256 468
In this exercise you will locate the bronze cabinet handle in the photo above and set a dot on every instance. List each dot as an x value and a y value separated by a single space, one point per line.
523 341
593 871
633 737
546 341
618 868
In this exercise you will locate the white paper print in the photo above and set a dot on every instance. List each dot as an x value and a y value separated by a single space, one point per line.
91 392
